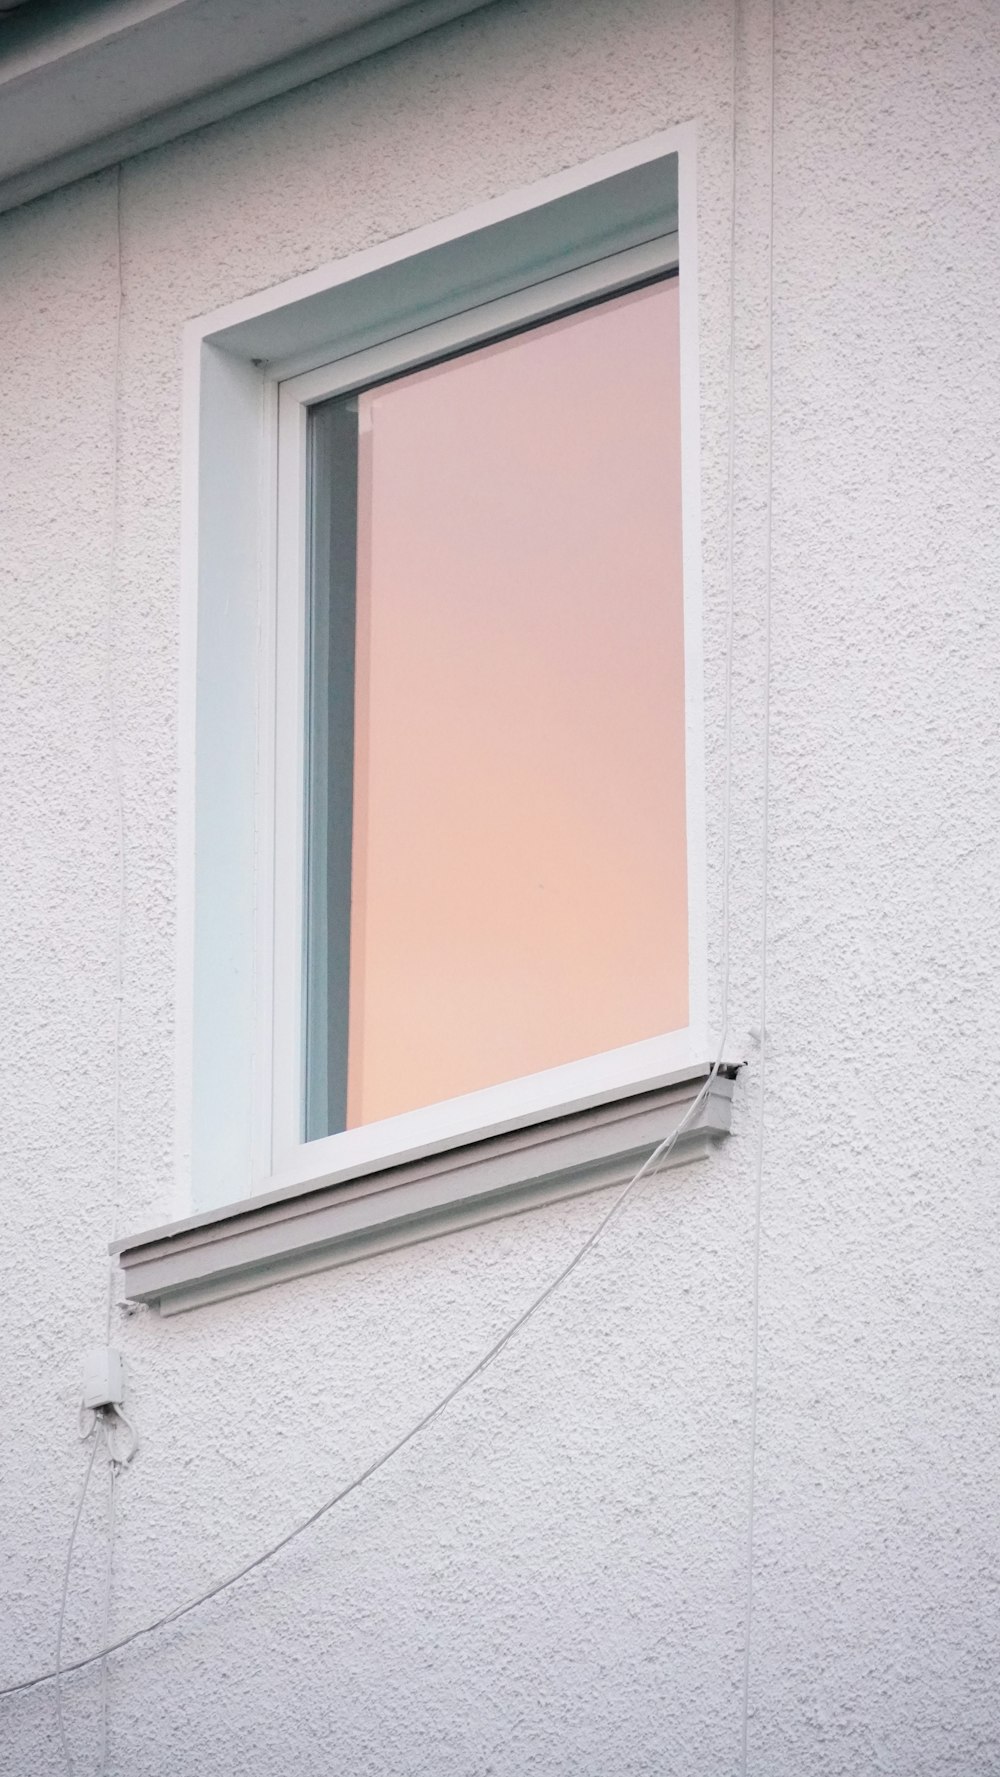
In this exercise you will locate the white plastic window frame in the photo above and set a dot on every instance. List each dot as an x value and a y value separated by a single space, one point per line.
242 698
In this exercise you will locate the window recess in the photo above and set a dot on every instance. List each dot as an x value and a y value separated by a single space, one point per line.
442 855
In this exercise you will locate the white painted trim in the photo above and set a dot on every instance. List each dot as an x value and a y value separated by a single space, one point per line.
483 321
265 847
694 693
233 435
286 792
187 679
223 551
487 1111
335 1221
637 1067
223 323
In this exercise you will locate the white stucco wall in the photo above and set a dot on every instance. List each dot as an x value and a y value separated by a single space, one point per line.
555 1579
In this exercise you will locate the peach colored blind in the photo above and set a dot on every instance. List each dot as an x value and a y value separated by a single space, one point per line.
518 874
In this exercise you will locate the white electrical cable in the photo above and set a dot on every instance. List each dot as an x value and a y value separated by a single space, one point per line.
479 1368
762 972
101 1424
58 1674
106 1423
106 1613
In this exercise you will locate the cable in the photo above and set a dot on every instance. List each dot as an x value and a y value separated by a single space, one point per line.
648 1167
762 1014
97 1424
106 1612
59 1668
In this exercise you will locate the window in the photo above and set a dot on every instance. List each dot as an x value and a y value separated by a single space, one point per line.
441 923
442 804
495 841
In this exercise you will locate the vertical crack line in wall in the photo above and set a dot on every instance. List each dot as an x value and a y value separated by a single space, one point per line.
118 802
727 784
118 808
765 801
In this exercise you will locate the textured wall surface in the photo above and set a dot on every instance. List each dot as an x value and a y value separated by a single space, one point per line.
557 1578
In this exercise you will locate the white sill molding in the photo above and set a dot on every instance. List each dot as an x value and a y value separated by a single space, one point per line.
288 1233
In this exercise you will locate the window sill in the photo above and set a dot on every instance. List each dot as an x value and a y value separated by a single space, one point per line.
263 1240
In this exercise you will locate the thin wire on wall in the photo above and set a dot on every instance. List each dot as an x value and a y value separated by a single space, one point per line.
106 1611
764 863
645 1171
112 1427
67 1569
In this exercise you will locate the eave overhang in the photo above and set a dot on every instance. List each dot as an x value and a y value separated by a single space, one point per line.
85 84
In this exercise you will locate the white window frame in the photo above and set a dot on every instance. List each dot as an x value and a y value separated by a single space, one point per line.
252 527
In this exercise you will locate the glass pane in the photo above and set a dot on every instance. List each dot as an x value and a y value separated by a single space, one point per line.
497 871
